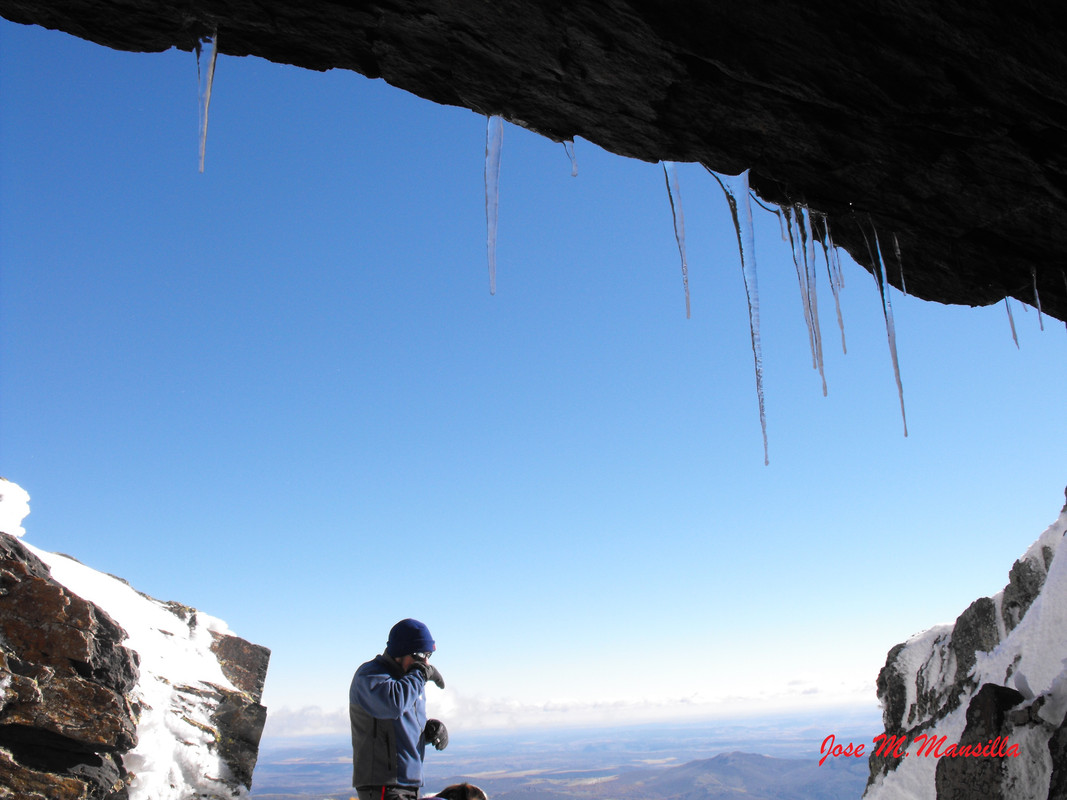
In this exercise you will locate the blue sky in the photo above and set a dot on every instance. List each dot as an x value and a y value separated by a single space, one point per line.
280 391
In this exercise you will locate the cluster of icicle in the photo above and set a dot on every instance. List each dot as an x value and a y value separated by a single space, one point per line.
803 230
799 225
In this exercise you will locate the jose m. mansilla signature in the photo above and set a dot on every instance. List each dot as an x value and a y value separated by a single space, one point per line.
928 745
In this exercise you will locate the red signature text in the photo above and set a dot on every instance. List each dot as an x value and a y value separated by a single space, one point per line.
889 746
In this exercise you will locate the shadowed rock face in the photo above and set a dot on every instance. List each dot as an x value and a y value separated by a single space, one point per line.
937 123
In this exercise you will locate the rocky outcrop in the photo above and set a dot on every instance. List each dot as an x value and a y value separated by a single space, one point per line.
937 123
142 700
994 682
66 715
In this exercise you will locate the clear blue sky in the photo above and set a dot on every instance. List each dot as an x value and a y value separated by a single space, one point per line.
281 392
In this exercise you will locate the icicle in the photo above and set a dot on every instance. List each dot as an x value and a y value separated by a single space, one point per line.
1037 298
494 140
833 275
882 282
806 279
1011 322
900 264
568 147
807 232
670 175
205 93
736 188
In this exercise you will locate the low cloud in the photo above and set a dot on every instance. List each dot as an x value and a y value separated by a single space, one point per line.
471 712
306 721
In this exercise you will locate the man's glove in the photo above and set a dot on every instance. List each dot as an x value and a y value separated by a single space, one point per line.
436 733
429 671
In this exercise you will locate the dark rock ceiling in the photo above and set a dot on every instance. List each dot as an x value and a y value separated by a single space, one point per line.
941 122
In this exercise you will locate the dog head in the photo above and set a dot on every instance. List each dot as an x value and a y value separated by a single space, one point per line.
462 791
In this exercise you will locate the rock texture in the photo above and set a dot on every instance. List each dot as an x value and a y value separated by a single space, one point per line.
66 716
937 123
76 705
998 674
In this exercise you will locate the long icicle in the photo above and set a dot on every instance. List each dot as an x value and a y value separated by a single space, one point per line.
736 188
206 98
807 237
494 141
798 246
670 175
887 310
1011 322
833 279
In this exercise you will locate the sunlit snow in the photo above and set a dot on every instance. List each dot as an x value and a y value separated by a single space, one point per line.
175 756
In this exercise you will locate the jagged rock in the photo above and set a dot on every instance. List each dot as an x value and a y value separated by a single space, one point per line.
975 631
66 679
1057 749
937 122
981 778
73 697
239 713
999 671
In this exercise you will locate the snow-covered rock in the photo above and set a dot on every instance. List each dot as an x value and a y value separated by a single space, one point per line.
108 693
994 682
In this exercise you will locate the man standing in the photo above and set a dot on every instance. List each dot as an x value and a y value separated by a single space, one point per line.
387 708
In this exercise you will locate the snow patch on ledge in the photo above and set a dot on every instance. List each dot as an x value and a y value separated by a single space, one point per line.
14 507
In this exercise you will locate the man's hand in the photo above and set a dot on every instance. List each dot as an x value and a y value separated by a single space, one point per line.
429 671
436 733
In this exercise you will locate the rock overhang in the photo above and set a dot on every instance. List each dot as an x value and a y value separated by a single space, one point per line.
935 124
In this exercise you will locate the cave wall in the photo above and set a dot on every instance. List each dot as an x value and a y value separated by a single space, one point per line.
937 124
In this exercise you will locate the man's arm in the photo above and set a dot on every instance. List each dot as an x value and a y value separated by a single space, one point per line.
385 697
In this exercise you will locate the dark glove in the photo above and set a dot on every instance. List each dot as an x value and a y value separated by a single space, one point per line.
429 671
436 733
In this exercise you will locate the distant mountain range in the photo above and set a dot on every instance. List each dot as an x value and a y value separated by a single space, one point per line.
729 776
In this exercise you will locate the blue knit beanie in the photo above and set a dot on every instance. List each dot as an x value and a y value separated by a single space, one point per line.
409 636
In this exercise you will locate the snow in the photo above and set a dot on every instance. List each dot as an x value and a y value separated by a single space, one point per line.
1032 658
174 756
14 507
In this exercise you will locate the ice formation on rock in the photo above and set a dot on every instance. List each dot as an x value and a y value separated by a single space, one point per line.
738 197
494 141
1037 299
803 250
1011 321
568 147
882 282
835 276
674 195
205 91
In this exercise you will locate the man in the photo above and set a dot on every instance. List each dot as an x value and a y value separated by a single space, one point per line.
387 708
